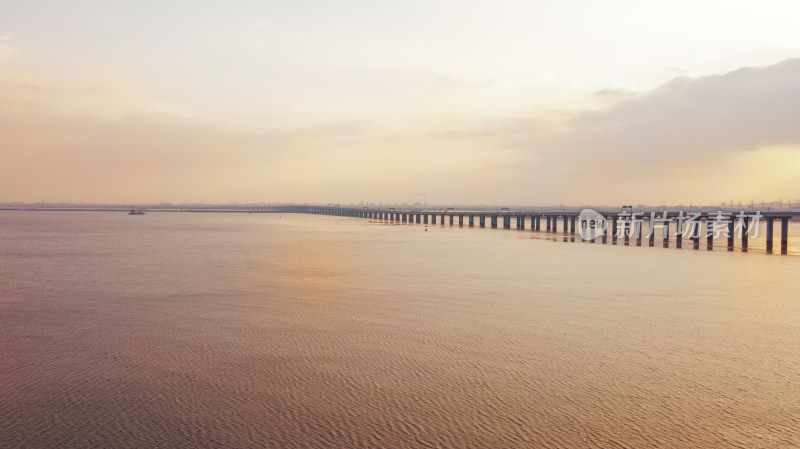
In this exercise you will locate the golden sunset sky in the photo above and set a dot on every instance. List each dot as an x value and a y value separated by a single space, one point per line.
502 102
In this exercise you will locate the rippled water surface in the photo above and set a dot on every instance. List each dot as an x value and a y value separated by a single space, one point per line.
284 331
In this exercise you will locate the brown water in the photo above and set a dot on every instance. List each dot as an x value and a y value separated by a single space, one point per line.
217 330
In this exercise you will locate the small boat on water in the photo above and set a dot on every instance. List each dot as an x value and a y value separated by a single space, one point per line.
135 211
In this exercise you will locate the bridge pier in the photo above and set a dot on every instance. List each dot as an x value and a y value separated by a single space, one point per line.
471 221
784 235
566 219
709 234
424 218
506 222
638 232
770 222
461 220
626 228
745 234
451 220
494 221
731 227
482 220
571 225
696 234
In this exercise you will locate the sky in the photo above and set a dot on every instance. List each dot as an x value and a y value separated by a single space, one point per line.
504 102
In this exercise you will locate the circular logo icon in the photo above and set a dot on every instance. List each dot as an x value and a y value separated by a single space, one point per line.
591 224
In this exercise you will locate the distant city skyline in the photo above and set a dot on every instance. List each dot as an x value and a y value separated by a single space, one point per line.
513 102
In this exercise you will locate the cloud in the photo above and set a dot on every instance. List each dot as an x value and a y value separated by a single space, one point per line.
615 94
692 139
695 121
700 133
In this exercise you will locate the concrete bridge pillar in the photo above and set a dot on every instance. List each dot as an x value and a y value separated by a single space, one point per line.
613 228
451 220
506 222
770 223
566 224
433 219
571 225
731 229
482 219
548 218
696 233
784 235
538 222
471 221
424 218
461 220
494 221
442 221
709 233
745 233
626 230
